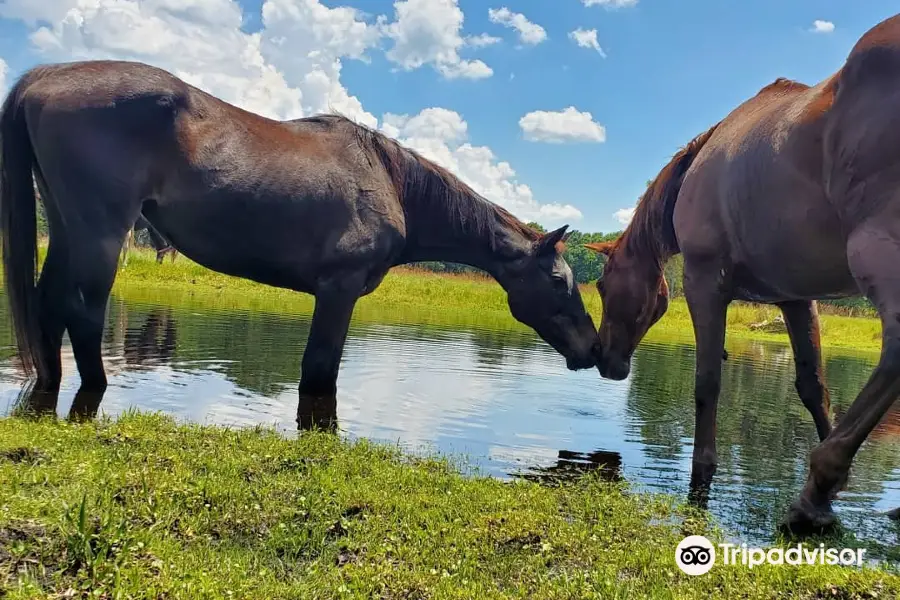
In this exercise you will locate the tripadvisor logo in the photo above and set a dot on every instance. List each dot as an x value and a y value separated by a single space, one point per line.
696 555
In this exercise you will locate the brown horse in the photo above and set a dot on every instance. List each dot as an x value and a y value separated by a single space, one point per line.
318 205
793 197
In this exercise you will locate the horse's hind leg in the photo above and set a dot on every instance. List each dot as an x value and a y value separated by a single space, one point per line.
95 232
94 270
873 251
51 287
51 312
802 320
43 395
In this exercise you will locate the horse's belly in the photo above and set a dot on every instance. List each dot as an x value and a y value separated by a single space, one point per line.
773 287
274 244
805 263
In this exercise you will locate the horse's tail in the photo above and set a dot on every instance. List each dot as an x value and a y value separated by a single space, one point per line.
18 225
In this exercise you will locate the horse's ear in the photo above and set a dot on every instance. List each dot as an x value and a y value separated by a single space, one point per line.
547 243
601 247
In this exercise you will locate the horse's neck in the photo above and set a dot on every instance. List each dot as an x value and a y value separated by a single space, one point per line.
487 248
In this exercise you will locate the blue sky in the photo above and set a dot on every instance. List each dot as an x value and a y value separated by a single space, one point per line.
671 69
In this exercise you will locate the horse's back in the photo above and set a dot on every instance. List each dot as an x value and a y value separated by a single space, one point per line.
102 85
171 138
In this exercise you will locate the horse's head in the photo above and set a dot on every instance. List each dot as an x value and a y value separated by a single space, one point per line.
635 296
543 294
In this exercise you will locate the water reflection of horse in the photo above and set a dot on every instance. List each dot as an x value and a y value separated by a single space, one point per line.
573 465
319 205
153 343
143 347
794 196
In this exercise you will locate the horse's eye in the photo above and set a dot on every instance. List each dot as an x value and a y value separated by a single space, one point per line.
561 284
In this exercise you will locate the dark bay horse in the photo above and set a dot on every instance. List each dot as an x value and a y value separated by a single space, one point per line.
318 205
793 197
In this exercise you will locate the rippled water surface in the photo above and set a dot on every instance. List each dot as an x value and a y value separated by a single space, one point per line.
503 399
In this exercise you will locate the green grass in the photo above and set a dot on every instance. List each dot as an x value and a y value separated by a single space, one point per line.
412 295
145 508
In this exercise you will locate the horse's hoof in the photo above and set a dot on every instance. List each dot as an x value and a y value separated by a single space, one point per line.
804 519
894 515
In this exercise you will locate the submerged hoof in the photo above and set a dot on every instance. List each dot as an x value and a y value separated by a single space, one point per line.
804 518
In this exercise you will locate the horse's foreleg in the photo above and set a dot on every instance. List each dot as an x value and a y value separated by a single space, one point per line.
708 308
335 301
873 252
802 320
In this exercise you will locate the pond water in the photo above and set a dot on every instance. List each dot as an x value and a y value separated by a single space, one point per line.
503 399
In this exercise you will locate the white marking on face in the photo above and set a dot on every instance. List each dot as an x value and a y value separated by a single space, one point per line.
562 269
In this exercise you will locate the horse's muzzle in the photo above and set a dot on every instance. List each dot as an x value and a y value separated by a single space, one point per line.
577 364
617 371
611 367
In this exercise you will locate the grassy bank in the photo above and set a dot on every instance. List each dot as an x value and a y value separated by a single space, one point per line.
421 296
143 508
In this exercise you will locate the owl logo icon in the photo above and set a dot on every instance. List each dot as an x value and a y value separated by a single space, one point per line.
695 555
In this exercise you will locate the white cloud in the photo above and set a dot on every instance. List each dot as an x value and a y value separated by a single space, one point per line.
610 3
568 125
624 215
820 26
4 69
429 32
440 135
529 33
198 40
587 38
482 40
306 41
291 67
